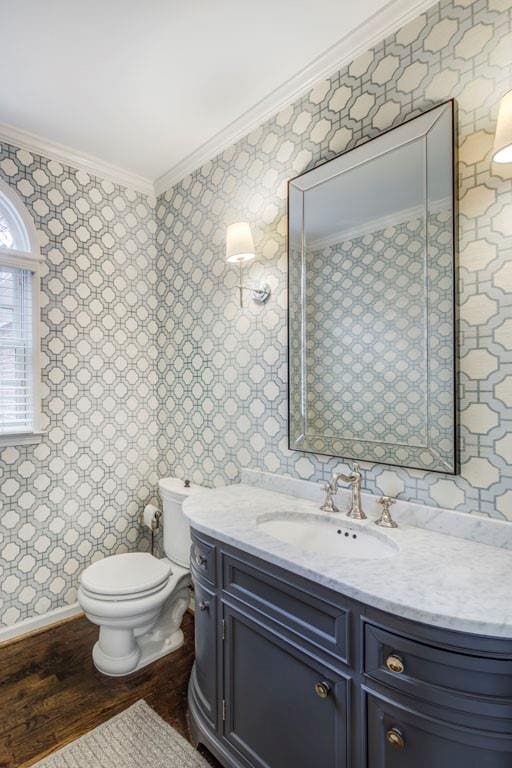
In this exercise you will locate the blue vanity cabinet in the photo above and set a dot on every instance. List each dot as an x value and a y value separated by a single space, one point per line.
400 737
205 667
462 679
282 708
204 688
289 674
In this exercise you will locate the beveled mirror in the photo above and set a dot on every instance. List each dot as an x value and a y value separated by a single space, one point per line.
371 249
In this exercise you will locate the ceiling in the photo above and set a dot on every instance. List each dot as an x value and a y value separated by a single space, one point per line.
142 85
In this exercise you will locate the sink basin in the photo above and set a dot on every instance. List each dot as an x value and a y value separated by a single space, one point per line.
328 536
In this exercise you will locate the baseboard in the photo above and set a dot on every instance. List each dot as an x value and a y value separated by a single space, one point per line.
39 623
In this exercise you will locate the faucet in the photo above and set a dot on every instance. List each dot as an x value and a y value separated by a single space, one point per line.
354 480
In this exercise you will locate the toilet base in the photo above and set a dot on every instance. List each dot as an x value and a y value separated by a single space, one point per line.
123 648
148 650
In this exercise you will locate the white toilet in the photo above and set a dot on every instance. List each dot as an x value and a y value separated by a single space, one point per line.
137 600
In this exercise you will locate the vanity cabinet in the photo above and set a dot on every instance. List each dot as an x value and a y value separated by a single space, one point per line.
399 737
289 674
205 667
277 696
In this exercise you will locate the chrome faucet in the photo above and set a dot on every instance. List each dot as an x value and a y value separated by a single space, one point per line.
354 480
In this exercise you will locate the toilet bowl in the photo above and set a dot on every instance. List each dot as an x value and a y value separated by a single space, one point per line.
138 600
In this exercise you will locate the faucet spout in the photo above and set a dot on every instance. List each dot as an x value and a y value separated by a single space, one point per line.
354 480
356 509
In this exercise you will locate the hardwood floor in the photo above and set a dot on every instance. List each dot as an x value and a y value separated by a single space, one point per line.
50 692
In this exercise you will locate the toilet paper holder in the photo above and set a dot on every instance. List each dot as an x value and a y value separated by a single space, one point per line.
155 521
151 518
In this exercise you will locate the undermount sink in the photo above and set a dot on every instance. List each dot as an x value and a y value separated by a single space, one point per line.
327 535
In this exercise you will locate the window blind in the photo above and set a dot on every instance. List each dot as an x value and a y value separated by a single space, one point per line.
16 374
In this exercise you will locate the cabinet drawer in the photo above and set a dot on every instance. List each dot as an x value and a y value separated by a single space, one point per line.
400 737
305 613
452 679
202 559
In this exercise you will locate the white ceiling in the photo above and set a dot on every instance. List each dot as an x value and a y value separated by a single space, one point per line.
141 84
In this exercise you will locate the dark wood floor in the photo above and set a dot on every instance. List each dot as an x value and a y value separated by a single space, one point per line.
50 692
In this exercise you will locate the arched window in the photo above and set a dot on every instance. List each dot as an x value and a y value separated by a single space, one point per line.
20 371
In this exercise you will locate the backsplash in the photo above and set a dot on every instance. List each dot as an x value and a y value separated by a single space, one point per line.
77 495
150 367
226 400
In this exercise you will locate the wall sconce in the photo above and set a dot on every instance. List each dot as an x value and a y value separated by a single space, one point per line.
502 150
240 249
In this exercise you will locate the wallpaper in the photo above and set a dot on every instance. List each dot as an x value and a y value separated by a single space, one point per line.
151 368
225 367
77 495
366 367
374 304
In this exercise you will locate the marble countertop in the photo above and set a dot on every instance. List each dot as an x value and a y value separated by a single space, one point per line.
434 578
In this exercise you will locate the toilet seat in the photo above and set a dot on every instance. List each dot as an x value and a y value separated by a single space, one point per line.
131 575
117 607
125 597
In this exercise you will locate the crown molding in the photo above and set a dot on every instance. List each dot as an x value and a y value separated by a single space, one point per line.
374 30
64 154
394 15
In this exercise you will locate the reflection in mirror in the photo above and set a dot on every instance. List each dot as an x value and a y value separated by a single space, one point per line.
371 255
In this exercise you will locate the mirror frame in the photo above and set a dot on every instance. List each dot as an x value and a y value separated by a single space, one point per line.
413 457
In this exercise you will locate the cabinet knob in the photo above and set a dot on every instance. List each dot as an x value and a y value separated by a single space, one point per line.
204 605
322 690
395 664
395 738
201 559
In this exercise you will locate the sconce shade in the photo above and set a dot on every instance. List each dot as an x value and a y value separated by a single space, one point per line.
502 150
239 242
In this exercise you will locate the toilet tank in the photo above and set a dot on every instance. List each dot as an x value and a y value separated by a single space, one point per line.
176 528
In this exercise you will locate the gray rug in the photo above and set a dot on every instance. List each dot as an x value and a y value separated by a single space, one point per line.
136 738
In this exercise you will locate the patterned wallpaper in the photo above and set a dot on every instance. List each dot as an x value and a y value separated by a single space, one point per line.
226 399
368 294
76 496
151 368
369 391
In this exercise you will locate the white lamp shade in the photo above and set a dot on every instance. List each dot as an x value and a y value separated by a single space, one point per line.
239 242
502 150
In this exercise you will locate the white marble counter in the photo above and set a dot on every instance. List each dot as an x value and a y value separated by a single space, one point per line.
434 578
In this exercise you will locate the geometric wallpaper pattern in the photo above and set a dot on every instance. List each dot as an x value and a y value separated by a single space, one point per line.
226 399
77 495
374 304
150 367
366 369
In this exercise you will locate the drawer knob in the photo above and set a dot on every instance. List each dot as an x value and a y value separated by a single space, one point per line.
395 664
322 690
201 559
204 605
394 738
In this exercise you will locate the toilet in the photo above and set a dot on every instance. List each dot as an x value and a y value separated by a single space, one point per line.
138 600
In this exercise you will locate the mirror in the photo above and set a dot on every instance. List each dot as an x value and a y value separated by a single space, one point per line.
371 300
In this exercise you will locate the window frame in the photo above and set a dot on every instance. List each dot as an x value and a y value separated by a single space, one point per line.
32 260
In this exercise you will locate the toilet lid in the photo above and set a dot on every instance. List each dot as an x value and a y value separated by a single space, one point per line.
126 574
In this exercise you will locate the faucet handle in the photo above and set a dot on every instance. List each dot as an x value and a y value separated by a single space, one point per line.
386 501
385 520
329 506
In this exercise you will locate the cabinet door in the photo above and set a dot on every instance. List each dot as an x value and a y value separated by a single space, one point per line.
205 668
402 738
274 716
